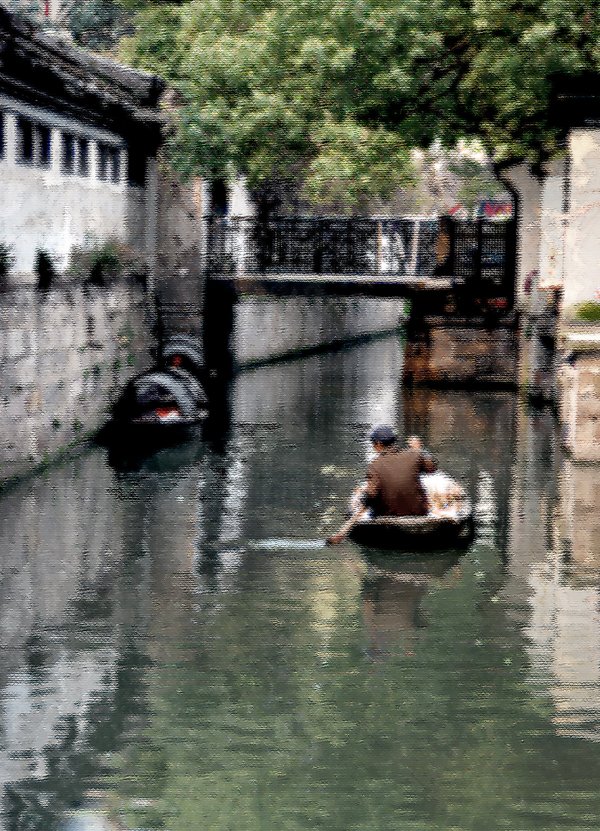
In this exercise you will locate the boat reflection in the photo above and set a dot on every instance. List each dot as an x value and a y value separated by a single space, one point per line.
393 591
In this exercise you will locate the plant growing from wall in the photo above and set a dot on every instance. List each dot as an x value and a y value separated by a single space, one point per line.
102 262
7 260
44 269
588 312
106 263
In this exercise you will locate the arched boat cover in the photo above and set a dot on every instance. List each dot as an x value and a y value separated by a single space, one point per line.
159 386
191 383
188 346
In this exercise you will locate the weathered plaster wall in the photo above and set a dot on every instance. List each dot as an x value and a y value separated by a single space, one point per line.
179 258
268 328
46 208
581 269
529 190
64 356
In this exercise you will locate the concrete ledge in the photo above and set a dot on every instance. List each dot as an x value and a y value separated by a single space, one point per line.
364 284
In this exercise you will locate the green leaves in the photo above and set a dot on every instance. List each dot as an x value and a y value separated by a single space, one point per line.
354 163
334 93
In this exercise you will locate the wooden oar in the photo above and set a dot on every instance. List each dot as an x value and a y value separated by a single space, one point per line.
341 535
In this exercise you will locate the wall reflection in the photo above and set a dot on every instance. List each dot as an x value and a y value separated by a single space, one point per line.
564 622
69 636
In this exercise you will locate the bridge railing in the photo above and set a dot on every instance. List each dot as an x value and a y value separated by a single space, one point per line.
316 245
478 252
483 254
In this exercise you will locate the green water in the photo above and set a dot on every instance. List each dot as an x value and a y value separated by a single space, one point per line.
179 651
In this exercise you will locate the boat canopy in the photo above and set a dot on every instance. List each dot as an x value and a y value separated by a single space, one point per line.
160 387
187 347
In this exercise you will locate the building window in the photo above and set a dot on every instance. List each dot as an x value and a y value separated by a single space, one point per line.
136 168
84 157
115 164
68 153
109 163
44 137
103 161
34 143
1 134
25 141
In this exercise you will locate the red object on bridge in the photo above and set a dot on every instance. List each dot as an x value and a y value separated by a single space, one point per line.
47 8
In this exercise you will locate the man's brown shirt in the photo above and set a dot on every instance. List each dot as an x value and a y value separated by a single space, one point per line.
393 484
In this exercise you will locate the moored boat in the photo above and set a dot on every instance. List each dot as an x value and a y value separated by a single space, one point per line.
160 405
410 533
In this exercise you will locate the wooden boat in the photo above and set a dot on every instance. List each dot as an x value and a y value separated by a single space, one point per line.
410 533
161 406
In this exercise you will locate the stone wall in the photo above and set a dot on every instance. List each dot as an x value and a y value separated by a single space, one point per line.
64 356
579 514
273 328
580 405
449 352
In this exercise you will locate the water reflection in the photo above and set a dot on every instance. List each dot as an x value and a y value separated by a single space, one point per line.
564 623
393 592
178 650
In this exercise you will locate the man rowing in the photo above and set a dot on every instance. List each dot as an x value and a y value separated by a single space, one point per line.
393 485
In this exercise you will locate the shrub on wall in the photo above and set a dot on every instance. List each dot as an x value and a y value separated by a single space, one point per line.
44 269
98 264
7 259
589 312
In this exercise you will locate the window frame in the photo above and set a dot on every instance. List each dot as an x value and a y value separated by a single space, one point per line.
68 155
22 123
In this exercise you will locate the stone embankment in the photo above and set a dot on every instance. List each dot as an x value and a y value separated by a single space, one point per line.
64 355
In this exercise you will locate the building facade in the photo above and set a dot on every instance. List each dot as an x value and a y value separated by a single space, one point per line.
78 144
79 138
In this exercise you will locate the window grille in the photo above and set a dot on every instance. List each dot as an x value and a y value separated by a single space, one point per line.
115 164
25 141
44 137
68 153
103 156
84 157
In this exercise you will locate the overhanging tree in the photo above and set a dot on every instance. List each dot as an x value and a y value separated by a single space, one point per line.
334 93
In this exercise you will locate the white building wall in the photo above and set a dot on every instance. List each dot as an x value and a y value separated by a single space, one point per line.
46 208
529 189
582 250
581 273
240 203
552 227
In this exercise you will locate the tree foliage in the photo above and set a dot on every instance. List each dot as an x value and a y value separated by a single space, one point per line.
334 92
97 24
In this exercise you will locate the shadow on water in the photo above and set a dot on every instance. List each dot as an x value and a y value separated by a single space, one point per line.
126 454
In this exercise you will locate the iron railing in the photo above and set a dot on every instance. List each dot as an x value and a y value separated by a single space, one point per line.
316 245
483 253
477 251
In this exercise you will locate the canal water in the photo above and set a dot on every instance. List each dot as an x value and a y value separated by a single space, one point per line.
179 650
